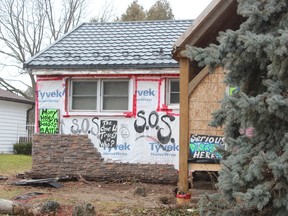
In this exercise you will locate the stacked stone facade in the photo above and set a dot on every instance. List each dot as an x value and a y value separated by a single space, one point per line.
74 155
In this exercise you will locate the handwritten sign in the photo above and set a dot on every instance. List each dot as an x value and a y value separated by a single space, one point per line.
108 133
204 146
49 121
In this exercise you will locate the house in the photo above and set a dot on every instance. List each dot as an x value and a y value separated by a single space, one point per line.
107 102
201 92
14 111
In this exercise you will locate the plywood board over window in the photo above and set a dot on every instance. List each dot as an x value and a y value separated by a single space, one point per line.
204 100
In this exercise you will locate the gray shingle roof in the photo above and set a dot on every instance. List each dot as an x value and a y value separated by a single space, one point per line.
8 96
143 44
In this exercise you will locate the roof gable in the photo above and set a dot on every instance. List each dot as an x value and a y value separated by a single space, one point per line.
113 45
8 96
218 16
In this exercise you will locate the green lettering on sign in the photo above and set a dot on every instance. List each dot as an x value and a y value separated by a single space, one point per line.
49 121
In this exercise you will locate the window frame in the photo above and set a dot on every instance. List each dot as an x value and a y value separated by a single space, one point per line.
168 93
99 95
102 94
71 96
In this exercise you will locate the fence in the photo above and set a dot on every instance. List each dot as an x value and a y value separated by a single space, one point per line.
25 132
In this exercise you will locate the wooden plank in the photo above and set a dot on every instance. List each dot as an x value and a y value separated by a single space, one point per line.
218 16
192 167
203 167
196 80
204 21
197 22
184 125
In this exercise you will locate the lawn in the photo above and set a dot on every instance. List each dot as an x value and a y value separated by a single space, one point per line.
13 164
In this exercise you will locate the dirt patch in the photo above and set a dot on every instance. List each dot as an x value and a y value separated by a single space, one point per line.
108 198
115 199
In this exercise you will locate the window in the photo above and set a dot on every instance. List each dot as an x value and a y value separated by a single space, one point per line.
84 95
115 95
99 95
173 91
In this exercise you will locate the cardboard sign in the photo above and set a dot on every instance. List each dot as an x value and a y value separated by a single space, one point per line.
202 147
49 121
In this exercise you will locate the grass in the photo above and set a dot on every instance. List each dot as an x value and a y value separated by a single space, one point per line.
13 164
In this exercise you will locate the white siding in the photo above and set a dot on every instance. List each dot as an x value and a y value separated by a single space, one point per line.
12 115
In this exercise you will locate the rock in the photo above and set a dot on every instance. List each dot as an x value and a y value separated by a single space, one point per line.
165 200
85 209
8 207
50 206
20 175
141 191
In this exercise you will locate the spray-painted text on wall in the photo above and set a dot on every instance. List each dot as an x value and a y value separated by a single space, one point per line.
152 121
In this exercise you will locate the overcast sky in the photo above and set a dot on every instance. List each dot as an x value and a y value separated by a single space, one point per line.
182 9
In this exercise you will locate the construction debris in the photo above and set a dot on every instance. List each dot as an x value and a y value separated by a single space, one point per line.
53 182
3 177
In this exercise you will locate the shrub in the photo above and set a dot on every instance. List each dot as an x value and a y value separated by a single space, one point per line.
23 148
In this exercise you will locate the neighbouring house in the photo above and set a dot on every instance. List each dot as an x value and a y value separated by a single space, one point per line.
14 112
107 102
201 91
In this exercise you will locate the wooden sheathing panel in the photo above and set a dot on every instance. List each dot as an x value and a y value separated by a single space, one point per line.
204 100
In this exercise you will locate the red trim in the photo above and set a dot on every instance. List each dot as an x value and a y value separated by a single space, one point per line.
173 114
165 90
45 77
159 94
49 78
135 97
165 108
152 80
66 97
36 108
92 115
128 114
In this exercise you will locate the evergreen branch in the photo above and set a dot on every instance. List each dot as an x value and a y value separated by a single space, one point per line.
222 162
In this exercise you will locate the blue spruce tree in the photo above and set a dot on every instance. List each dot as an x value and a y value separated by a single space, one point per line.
254 175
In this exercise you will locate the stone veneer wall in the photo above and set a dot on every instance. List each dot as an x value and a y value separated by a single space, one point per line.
61 155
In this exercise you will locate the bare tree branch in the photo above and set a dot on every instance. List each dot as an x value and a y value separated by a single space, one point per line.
107 12
11 88
27 26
